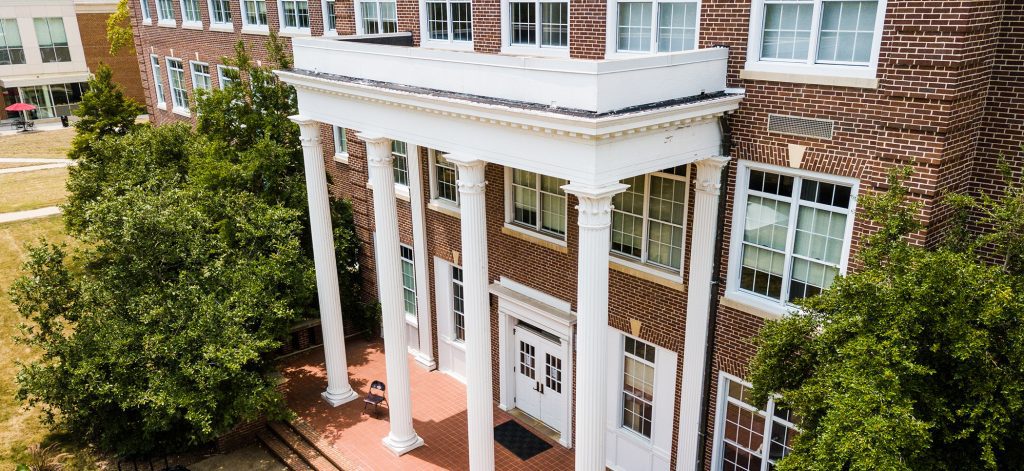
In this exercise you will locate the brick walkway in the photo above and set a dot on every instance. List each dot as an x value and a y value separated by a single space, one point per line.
439 416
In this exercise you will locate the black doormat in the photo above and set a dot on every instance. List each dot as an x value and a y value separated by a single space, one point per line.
521 442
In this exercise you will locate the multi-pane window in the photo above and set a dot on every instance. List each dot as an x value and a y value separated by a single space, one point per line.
408 280
378 16
176 77
295 13
11 50
450 20
544 24
649 218
190 11
795 233
400 162
458 304
538 202
220 11
144 6
340 141
445 176
165 10
158 80
254 12
226 75
201 76
53 40
844 33
657 26
330 18
743 427
638 386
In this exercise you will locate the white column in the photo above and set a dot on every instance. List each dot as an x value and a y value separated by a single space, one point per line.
479 393
338 389
402 437
425 354
595 218
698 300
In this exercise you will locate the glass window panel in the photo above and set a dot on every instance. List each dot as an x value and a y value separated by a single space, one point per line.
458 304
635 26
255 12
446 176
11 50
400 162
523 23
638 387
677 26
190 10
157 80
330 18
847 31
554 24
787 30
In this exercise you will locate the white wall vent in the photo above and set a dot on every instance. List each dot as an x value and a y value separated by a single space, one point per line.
798 126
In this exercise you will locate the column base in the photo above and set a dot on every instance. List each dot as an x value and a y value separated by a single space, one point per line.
424 360
403 447
336 400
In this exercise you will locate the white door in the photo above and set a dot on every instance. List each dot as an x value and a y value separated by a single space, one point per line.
539 376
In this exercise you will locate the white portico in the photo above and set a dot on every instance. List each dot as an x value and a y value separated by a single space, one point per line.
592 123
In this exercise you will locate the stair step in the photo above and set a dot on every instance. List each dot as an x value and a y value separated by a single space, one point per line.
323 446
287 456
306 450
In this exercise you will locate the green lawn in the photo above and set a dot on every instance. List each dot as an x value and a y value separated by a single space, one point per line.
31 190
53 144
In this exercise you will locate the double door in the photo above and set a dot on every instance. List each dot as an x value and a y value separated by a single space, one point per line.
540 389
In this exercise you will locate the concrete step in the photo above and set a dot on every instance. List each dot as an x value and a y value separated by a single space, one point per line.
323 446
280 450
306 450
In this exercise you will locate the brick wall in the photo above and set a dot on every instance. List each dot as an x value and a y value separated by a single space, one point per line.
93 29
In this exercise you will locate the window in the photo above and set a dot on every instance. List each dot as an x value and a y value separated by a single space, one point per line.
340 141
742 428
53 40
330 18
11 51
444 175
400 161
58 99
458 304
200 76
796 233
844 33
408 280
144 7
190 11
165 10
220 12
158 83
450 20
254 12
227 75
377 17
649 218
638 386
538 202
657 26
295 14
176 77
550 29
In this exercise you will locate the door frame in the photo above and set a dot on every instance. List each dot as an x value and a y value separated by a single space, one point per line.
518 302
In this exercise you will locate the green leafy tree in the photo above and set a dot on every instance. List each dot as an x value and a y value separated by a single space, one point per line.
915 362
104 111
119 28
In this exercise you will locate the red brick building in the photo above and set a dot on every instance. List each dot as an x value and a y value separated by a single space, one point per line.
465 133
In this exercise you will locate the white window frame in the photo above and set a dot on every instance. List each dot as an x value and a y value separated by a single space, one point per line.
301 30
622 385
257 27
360 28
154 64
453 312
411 260
436 202
449 43
643 263
810 71
147 14
612 29
221 25
718 447
330 29
536 230
209 79
182 110
754 300
340 144
531 50
221 77
402 189
187 23
165 20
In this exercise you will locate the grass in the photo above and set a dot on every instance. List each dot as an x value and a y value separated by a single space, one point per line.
31 190
53 144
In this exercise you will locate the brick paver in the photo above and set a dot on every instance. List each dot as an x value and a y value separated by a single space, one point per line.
439 416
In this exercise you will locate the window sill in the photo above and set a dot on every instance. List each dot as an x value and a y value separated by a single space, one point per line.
181 111
167 23
444 208
162 106
753 306
527 235
197 25
401 191
411 320
535 51
254 29
147 22
330 33
223 27
341 158
832 75
447 45
294 32
644 272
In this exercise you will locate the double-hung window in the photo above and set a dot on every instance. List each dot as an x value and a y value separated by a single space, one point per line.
638 386
743 427
649 218
220 12
444 176
144 8
656 26
377 16
254 13
340 143
190 12
200 76
165 10
53 40
330 17
11 50
408 280
537 202
458 305
176 78
450 20
294 14
400 162
539 24
795 233
158 84
227 75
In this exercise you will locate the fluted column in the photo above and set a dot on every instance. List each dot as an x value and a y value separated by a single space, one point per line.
402 437
595 218
479 393
698 301
339 391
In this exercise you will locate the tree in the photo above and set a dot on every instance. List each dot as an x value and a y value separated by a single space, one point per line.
104 111
119 28
915 362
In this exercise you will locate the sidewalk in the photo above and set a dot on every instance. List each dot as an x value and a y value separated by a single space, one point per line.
29 214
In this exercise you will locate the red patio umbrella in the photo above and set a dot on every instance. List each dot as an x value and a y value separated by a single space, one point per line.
22 107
